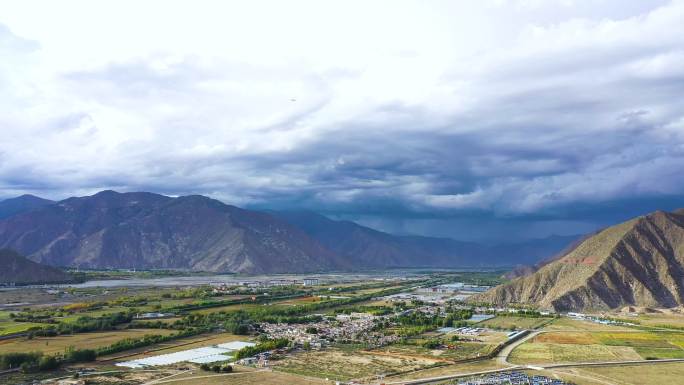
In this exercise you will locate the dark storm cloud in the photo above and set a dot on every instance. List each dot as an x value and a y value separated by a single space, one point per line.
565 126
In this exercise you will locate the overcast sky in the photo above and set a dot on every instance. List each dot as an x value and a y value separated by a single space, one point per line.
471 119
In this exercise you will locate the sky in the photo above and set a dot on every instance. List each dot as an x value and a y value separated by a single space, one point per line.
482 120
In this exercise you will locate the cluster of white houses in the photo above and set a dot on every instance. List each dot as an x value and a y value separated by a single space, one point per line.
452 288
281 282
222 286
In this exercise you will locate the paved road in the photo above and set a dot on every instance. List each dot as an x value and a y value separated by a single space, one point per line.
502 357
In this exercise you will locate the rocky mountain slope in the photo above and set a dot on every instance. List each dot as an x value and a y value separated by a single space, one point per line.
523 270
21 271
636 263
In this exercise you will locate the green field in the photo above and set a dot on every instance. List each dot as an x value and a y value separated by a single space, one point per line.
8 326
16 327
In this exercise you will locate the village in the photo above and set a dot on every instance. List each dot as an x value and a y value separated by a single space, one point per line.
354 327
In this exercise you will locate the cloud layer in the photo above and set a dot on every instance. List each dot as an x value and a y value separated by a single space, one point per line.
518 118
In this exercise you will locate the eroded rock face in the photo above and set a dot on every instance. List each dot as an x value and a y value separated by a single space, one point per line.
636 263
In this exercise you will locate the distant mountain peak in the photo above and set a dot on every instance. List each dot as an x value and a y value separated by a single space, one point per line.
21 204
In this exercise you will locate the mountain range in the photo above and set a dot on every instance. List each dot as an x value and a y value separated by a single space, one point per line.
636 263
146 230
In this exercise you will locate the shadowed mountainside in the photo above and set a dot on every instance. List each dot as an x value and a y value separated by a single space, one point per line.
21 271
375 248
21 204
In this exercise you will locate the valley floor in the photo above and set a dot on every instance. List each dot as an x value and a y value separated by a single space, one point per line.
647 350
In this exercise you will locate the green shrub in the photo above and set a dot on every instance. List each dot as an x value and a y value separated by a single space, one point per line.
48 363
28 367
15 360
80 355
249 351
